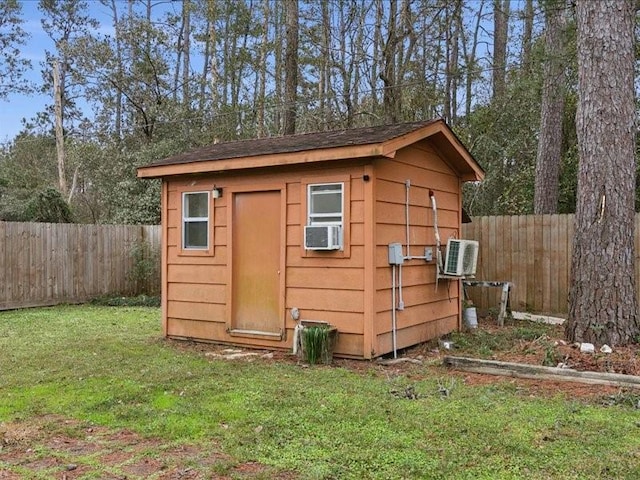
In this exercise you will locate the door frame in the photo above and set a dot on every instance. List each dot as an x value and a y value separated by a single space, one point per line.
259 188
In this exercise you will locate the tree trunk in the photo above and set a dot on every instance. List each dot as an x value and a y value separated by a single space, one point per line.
262 80
500 37
527 35
344 62
471 63
376 57
388 73
120 69
291 66
359 56
176 73
278 47
213 66
453 64
324 88
186 51
239 66
552 111
602 298
57 93
227 41
452 52
206 59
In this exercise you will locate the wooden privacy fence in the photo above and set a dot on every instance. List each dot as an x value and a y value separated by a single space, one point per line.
532 251
46 264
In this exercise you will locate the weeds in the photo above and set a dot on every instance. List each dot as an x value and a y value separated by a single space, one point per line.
145 274
530 332
551 358
316 342
623 398
408 392
124 301
445 388
487 343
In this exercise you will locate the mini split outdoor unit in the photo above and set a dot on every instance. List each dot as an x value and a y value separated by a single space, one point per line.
461 258
323 237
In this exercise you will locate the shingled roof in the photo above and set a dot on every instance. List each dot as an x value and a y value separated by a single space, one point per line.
339 144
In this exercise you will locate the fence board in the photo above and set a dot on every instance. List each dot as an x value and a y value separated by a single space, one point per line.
46 264
563 262
505 224
547 274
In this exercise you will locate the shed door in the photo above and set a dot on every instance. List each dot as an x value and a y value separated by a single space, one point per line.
256 247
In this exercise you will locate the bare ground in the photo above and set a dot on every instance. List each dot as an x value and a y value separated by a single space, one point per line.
66 449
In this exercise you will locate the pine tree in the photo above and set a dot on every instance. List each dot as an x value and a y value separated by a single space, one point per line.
602 298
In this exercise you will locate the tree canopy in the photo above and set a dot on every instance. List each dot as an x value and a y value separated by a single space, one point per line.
143 80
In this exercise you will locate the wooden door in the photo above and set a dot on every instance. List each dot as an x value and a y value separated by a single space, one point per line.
256 262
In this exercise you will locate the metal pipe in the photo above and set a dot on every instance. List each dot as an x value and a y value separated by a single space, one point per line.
393 310
400 299
407 184
439 265
407 207
435 217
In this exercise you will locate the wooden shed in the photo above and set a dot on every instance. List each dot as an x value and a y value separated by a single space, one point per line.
260 234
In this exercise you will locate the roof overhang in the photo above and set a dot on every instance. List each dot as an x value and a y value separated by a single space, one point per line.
437 132
261 161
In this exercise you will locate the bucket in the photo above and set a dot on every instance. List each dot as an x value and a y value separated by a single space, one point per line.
470 317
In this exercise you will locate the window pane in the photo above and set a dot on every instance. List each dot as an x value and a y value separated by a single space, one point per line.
195 234
316 220
329 187
326 203
197 204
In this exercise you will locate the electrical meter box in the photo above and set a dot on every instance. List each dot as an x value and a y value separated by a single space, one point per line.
395 254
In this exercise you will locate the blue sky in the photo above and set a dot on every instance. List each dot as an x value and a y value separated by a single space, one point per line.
16 107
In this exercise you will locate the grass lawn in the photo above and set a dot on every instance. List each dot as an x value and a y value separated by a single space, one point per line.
92 373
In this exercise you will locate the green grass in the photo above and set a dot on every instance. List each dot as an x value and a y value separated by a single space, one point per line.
110 367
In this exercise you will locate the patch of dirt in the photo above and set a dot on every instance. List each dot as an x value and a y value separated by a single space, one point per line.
555 350
548 349
40 446
12 433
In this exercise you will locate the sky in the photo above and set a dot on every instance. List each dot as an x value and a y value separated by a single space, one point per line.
17 107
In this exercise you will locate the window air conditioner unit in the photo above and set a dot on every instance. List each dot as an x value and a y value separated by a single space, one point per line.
461 258
323 237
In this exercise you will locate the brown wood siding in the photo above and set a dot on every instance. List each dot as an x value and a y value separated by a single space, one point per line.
327 286
164 229
428 312
422 332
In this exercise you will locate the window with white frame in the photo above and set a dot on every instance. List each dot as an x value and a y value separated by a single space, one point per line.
325 204
195 220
